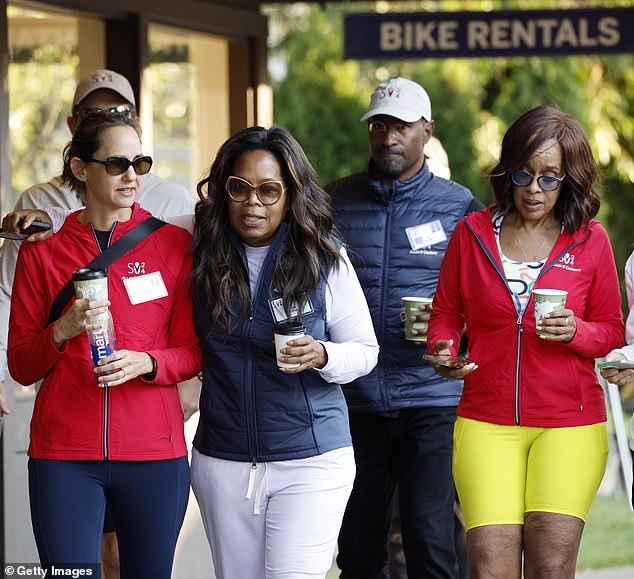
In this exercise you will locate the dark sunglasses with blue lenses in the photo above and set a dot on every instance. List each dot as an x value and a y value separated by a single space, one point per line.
546 182
119 165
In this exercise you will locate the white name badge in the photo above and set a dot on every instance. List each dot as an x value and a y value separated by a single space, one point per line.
145 288
426 235
279 315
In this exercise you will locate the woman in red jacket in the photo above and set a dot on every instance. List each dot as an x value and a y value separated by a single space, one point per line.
530 443
114 431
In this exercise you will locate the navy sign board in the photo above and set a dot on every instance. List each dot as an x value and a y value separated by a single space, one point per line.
399 36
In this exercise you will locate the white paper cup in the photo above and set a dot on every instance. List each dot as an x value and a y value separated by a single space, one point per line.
284 333
546 301
411 307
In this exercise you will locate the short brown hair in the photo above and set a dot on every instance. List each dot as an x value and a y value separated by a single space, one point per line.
86 140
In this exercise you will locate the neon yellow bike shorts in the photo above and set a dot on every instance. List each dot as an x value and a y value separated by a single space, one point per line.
503 472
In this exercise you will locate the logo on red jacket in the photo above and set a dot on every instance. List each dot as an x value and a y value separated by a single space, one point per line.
567 262
136 268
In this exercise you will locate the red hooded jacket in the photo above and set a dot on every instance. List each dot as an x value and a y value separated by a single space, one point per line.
521 378
73 418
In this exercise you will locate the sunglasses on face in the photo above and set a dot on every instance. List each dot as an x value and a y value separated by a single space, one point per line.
546 182
120 111
268 192
120 165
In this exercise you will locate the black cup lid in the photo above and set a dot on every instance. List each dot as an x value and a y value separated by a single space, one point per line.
87 273
288 328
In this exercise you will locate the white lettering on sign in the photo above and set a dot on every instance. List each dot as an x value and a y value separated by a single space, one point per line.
447 35
477 35
501 34
418 36
390 36
609 30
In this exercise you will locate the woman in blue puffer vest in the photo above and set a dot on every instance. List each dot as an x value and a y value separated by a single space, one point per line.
273 467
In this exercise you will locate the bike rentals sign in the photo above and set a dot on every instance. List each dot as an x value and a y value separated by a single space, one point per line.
475 34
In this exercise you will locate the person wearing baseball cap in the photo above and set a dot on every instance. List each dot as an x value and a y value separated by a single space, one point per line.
400 98
102 91
105 91
104 79
396 218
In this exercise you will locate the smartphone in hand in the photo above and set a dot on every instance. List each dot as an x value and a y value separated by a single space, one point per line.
446 361
35 227
615 365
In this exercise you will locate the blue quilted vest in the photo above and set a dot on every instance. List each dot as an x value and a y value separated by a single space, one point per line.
249 410
374 223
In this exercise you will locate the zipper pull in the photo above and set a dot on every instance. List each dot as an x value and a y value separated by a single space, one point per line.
254 468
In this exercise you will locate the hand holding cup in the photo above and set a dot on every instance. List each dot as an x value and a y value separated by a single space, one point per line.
552 320
558 326
296 351
415 314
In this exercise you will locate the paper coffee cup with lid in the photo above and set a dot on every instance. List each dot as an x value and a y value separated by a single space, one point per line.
283 333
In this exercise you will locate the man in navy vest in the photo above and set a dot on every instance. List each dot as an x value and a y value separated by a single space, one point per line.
396 218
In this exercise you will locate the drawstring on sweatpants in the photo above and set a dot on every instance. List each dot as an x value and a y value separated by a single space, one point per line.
258 489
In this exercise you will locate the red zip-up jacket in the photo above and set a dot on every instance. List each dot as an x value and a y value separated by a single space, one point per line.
522 379
73 418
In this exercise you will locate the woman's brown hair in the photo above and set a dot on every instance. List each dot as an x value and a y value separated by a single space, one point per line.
578 202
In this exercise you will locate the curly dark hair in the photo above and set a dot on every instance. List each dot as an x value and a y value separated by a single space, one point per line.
85 142
310 252
578 202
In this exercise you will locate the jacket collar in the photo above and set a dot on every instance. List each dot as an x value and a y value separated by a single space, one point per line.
139 214
479 222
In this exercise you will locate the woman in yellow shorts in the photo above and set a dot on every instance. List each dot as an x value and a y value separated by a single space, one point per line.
530 443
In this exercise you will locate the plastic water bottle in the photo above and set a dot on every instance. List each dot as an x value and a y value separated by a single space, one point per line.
102 341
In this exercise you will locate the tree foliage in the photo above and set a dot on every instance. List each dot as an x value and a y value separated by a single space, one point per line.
319 97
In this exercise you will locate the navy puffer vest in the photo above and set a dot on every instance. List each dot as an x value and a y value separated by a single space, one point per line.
249 410
373 222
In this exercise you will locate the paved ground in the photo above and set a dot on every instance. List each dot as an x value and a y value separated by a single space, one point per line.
613 573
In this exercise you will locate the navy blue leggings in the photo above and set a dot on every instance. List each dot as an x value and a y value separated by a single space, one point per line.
147 499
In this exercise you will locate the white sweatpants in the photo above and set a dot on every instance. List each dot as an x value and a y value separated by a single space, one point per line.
277 520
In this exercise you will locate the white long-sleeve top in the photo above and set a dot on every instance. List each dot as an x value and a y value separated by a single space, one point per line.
353 349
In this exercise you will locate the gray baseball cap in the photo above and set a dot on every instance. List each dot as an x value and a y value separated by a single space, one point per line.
104 78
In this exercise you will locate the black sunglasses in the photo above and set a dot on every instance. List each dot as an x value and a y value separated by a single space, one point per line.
119 165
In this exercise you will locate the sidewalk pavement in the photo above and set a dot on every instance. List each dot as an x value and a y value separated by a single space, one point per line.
608 573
